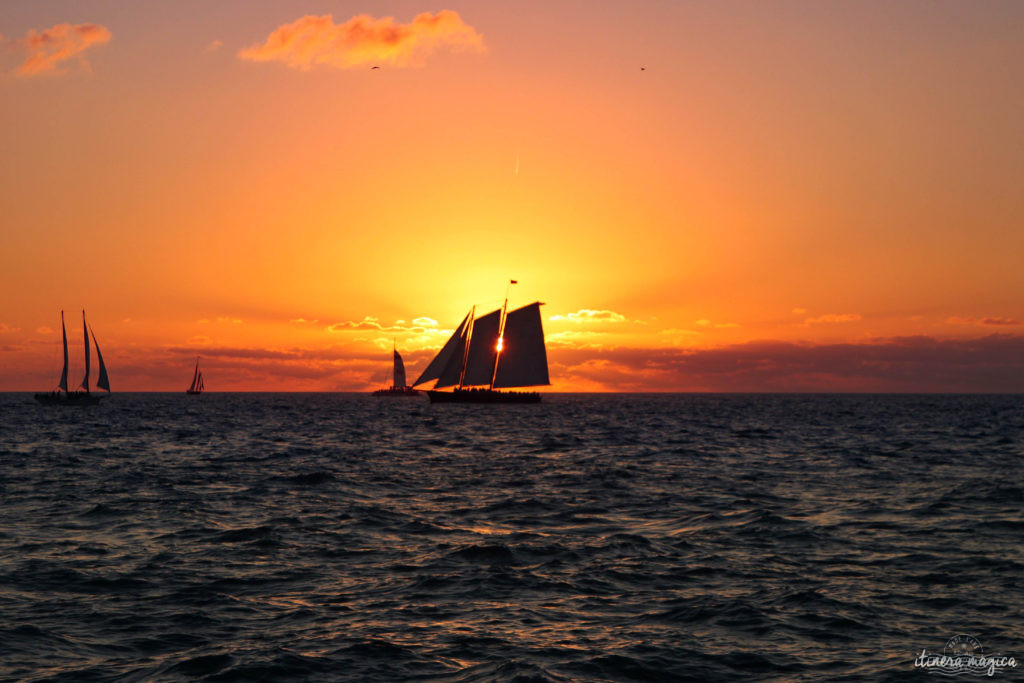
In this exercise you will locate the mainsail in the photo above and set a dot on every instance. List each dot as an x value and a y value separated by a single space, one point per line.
85 331
103 382
64 373
524 360
437 365
398 374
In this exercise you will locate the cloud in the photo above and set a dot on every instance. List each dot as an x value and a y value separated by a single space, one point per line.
994 363
704 322
419 326
303 321
364 40
834 318
48 48
588 315
5 328
214 46
983 321
44 330
799 311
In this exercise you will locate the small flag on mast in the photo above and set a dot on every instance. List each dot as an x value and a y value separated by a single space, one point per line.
514 282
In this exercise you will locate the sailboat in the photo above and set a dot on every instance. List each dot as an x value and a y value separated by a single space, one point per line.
398 387
81 397
500 350
197 385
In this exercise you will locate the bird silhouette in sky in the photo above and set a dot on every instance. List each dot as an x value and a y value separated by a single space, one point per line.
374 67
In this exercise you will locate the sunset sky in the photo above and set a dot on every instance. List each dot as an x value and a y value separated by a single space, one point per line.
711 196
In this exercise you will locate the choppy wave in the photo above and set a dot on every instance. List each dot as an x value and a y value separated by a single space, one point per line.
320 537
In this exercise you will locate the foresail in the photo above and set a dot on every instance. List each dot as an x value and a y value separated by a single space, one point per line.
85 332
399 372
103 382
524 360
452 370
195 377
482 349
64 373
437 365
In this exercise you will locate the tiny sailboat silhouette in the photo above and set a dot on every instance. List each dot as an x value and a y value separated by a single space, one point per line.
398 386
197 385
500 350
61 395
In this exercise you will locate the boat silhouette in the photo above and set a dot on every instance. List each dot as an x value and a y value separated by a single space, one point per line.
398 386
197 385
499 350
61 396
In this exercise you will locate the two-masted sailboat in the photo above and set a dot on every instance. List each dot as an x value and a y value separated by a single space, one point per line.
197 385
398 386
61 395
500 350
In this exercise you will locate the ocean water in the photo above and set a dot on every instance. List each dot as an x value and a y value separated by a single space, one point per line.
591 537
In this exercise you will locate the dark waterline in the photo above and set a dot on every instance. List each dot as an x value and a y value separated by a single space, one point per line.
591 537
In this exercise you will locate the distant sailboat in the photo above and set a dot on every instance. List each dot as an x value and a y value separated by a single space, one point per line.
496 351
197 385
61 396
398 387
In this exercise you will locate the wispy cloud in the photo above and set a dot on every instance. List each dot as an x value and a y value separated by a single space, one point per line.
419 326
589 315
214 46
983 321
834 318
704 322
47 49
363 40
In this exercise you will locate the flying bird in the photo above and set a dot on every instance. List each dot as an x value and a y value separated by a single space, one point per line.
643 68
374 67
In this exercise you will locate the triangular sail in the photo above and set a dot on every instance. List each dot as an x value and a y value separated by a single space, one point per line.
524 360
451 373
103 382
64 373
195 377
202 385
482 349
399 372
85 331
437 365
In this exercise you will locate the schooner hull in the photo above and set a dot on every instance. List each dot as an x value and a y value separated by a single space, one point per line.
69 399
397 392
482 396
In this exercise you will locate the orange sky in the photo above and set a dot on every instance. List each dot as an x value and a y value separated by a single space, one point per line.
788 196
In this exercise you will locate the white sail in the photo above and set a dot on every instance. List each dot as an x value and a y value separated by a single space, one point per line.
64 373
399 372
103 382
482 350
437 365
524 360
85 331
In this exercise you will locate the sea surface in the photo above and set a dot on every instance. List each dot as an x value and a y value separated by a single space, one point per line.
243 537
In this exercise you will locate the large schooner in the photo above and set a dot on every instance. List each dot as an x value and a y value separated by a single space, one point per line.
197 385
398 386
81 397
500 350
